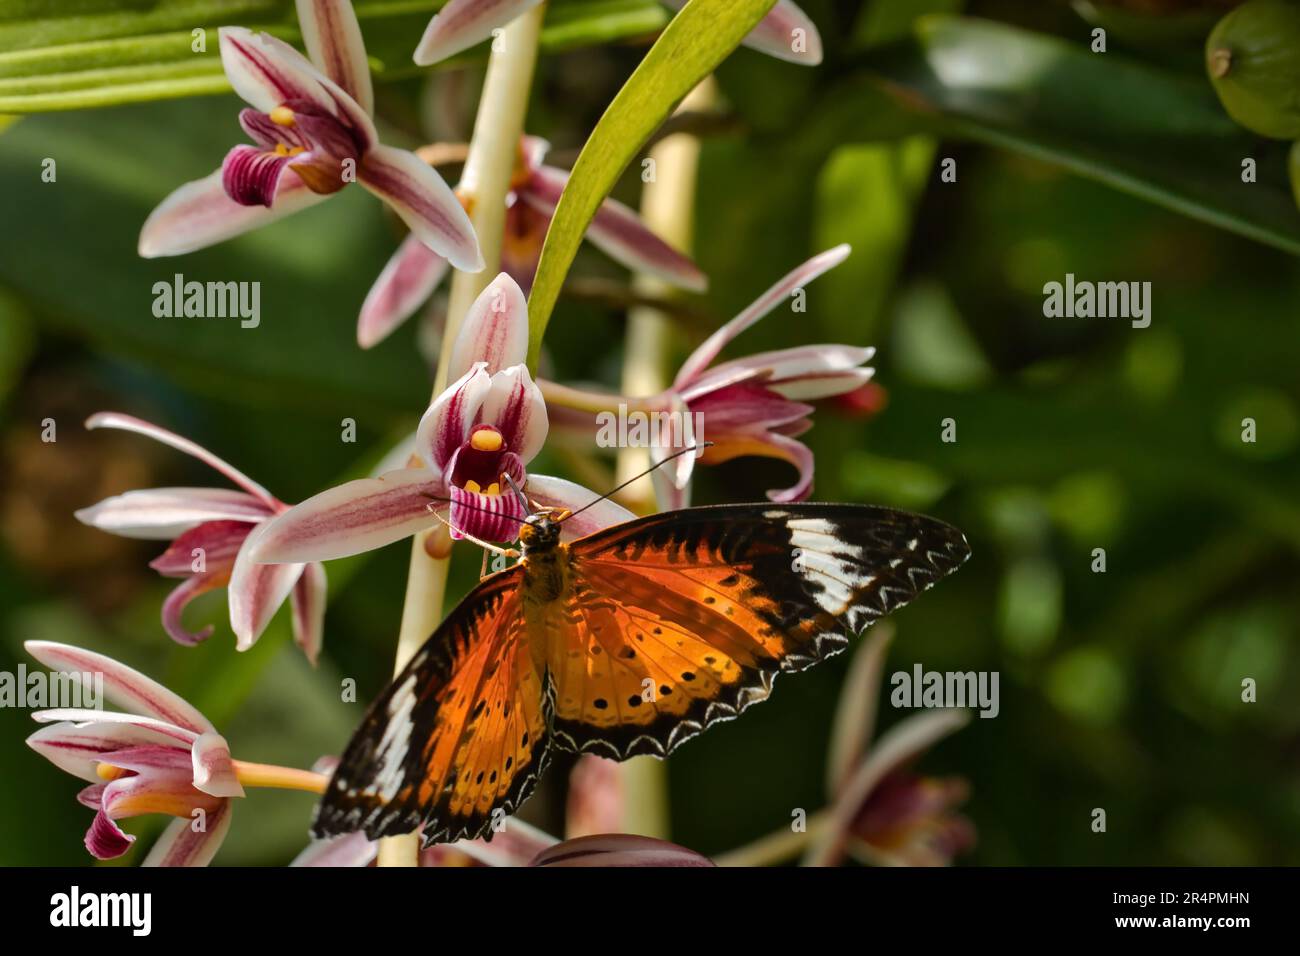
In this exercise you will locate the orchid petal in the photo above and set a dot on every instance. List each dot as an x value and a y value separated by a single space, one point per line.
200 214
267 72
348 849
251 175
767 444
811 388
149 759
256 592
332 36
308 604
789 367
173 608
138 425
549 492
463 23
769 300
124 686
775 34
425 202
208 548
447 423
495 330
901 743
105 839
486 517
214 771
357 516
179 845
78 748
164 513
620 233
514 404
406 283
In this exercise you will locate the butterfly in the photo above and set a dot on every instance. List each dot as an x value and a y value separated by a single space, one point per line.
628 641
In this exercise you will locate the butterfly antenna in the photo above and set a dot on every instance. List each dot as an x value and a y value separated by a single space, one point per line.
518 494
636 478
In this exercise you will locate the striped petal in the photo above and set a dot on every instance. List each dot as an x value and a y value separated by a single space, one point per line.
200 214
619 232
165 513
619 849
486 517
425 202
514 404
173 608
141 427
180 845
407 282
78 748
206 549
251 175
357 516
267 72
769 300
809 371
256 592
308 604
447 423
105 839
463 23
495 330
333 39
123 686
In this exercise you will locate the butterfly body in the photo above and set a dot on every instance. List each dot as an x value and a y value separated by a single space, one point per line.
629 641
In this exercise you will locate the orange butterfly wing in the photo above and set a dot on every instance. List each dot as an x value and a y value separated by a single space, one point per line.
680 620
460 734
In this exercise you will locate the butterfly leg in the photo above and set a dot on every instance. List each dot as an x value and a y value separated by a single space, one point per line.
494 548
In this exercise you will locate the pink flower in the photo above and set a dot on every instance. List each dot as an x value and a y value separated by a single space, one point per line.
312 132
476 438
786 32
211 531
414 272
160 756
757 405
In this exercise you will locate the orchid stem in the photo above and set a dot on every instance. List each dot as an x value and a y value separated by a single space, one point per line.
784 844
668 208
493 150
279 778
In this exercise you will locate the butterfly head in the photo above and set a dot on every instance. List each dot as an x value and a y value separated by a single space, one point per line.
540 531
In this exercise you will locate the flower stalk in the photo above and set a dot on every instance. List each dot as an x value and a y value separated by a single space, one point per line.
484 182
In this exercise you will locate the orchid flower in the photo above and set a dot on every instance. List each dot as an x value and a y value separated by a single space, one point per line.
882 812
210 531
311 125
160 755
755 405
414 272
474 441
785 33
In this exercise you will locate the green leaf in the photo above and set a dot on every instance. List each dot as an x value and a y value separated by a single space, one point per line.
697 40
92 53
1138 128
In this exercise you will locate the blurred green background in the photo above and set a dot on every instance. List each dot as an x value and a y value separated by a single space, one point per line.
1120 690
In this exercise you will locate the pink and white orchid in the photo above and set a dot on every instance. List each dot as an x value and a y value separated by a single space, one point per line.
313 133
785 33
476 438
210 531
414 272
756 405
160 755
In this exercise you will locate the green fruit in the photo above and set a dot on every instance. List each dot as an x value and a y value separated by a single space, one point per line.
1253 57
